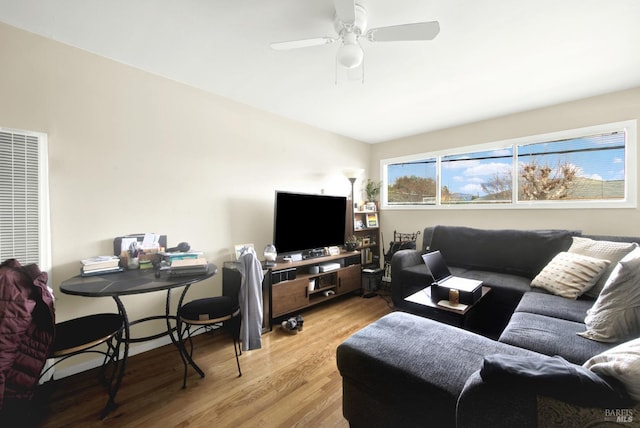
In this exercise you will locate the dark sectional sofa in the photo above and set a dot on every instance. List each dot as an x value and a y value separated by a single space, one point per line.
408 370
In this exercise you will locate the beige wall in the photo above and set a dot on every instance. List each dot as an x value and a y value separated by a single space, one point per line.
608 108
132 152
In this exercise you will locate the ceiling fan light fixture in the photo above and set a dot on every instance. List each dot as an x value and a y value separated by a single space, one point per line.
350 55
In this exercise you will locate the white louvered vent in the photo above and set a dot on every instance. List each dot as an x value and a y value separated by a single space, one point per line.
21 234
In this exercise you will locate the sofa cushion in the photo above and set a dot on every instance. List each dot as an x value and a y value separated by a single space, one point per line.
554 377
494 250
621 362
570 275
554 306
516 284
607 250
551 336
615 316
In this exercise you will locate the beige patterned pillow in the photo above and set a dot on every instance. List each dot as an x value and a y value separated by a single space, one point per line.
621 362
615 316
569 275
606 250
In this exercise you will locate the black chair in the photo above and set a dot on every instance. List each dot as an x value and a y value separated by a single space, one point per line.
209 313
83 335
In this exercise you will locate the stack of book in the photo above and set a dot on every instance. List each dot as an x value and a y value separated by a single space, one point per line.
100 265
186 263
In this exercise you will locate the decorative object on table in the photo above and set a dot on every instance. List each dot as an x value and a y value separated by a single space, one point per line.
270 255
100 265
139 247
351 244
133 263
372 189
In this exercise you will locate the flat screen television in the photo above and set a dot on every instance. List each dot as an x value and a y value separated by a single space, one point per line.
304 222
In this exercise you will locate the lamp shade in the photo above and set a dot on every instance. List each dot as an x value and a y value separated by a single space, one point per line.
350 55
353 173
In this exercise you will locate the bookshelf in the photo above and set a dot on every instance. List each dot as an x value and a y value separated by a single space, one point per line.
366 228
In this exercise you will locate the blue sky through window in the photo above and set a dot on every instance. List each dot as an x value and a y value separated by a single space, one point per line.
598 157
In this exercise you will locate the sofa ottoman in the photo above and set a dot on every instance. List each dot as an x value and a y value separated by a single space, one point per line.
408 371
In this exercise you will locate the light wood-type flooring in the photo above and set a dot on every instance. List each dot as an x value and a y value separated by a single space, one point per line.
292 381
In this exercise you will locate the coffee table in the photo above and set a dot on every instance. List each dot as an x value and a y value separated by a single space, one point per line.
421 304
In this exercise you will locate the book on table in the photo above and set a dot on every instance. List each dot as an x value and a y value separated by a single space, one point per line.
186 263
188 266
99 264
100 271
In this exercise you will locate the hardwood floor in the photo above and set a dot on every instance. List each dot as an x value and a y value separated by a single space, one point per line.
292 381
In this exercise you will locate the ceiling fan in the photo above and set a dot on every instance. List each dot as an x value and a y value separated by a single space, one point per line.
350 23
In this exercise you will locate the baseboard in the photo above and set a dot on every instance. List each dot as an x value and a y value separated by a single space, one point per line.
60 373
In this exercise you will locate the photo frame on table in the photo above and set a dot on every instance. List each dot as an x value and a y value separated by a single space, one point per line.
239 248
372 219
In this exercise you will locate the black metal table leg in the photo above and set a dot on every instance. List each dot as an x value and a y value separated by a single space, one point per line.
113 389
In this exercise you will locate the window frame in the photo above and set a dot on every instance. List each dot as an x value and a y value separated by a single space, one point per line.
44 223
630 168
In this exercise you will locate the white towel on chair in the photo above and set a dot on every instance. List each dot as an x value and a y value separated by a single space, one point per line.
250 299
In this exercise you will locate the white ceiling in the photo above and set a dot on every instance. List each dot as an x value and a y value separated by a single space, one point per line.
492 57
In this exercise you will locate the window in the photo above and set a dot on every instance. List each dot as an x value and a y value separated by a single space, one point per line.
412 183
587 167
479 177
24 205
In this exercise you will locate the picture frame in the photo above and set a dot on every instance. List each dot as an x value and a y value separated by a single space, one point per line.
239 248
372 219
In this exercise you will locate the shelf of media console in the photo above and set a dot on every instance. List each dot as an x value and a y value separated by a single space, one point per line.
282 267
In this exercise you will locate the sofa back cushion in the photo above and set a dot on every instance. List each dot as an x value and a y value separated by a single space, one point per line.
519 252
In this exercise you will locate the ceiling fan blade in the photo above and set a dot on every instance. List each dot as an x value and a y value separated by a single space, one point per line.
405 32
346 11
295 44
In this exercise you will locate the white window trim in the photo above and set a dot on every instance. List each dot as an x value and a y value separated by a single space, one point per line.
631 177
44 222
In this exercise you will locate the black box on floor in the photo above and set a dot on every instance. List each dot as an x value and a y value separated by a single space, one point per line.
371 279
466 297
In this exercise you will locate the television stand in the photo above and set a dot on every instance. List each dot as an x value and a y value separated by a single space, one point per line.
300 284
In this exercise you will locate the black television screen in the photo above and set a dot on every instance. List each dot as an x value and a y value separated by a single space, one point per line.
303 222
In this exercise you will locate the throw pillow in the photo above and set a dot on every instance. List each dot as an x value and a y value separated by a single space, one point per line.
554 377
606 250
622 363
615 315
569 275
